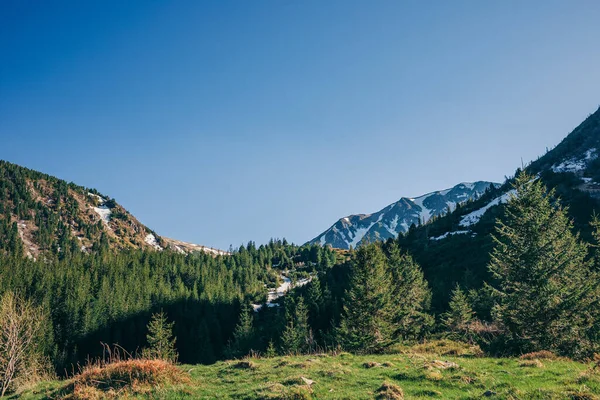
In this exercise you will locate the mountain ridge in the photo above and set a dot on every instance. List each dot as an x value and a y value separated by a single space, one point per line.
40 213
356 229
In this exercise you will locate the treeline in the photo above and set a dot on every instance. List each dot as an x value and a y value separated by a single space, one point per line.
541 291
109 296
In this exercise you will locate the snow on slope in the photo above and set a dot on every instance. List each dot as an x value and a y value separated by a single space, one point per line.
474 217
282 290
354 230
102 210
151 240
185 247
574 164
445 235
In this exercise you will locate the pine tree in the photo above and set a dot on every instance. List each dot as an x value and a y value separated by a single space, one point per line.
271 351
297 336
411 295
161 343
242 335
302 327
456 320
314 296
290 342
543 282
368 314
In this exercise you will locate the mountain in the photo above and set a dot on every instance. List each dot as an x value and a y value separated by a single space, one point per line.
40 213
353 230
455 248
572 168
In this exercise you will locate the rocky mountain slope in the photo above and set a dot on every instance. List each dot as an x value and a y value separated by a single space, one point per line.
43 214
353 230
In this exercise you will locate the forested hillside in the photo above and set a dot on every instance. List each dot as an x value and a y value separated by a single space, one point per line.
514 272
54 218
108 297
455 249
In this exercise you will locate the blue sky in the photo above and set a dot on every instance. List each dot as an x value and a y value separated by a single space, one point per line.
219 122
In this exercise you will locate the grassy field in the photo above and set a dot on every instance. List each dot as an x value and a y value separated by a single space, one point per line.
443 370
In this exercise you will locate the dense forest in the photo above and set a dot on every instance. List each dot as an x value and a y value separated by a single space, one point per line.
364 300
109 296
525 279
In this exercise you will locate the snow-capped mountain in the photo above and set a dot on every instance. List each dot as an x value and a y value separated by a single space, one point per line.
353 230
574 165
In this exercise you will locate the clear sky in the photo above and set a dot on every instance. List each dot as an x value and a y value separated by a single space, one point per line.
219 122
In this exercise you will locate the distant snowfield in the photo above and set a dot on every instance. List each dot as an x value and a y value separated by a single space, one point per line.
103 211
474 217
151 240
575 165
397 217
445 235
274 294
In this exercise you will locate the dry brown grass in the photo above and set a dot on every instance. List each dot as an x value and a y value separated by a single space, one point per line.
390 391
121 378
539 355
371 364
446 348
277 391
245 364
531 364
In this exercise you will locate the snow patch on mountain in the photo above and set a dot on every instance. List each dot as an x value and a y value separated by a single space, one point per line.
425 212
574 164
151 240
354 230
104 213
280 291
445 235
102 210
474 217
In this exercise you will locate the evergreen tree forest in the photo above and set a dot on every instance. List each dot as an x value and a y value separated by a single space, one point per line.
531 285
109 297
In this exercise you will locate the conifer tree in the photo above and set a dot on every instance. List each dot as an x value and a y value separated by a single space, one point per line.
290 342
410 295
314 297
242 335
543 282
368 314
271 351
161 343
456 320
297 336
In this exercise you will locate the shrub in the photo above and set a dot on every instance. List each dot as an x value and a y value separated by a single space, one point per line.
21 333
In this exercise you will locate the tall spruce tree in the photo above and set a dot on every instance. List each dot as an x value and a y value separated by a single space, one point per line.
368 313
242 335
410 295
297 336
543 283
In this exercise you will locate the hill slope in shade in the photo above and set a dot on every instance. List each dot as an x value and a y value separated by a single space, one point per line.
354 230
40 213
